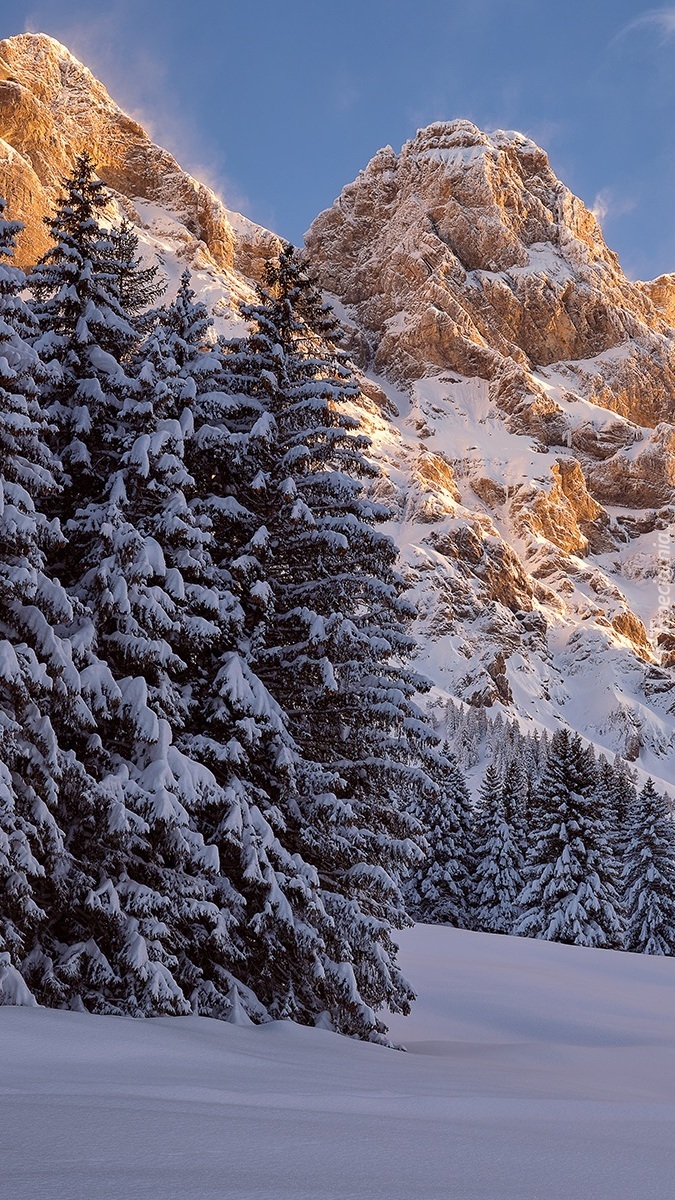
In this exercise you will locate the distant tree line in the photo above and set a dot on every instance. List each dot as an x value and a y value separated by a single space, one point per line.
560 846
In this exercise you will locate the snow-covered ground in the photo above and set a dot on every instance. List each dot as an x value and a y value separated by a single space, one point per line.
534 1072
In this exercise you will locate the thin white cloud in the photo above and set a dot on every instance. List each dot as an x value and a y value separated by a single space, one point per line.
608 203
662 20
600 208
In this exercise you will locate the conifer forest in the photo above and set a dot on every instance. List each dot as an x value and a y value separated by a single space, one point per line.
220 788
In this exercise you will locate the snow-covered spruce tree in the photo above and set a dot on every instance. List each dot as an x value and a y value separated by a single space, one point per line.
440 888
40 686
569 894
230 722
624 796
32 660
149 900
489 795
42 692
289 936
515 787
498 878
613 800
649 875
329 632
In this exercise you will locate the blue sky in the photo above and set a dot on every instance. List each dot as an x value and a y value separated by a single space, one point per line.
279 105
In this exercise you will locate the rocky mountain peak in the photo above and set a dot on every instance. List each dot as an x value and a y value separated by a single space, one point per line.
518 388
539 380
487 254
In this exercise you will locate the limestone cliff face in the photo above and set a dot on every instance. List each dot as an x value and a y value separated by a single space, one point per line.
52 108
473 280
465 252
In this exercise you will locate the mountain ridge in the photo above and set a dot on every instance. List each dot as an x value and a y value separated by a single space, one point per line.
518 389
52 107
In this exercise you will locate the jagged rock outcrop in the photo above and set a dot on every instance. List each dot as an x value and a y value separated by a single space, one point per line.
565 514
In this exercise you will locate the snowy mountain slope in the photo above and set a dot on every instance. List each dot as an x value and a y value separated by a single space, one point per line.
519 391
506 617
530 450
532 1069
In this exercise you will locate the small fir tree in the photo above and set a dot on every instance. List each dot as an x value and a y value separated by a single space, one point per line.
613 799
138 286
569 894
649 875
515 789
440 888
498 878
489 795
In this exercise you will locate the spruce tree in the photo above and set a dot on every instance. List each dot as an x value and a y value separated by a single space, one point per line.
498 878
43 698
231 723
613 799
515 789
33 661
306 951
649 875
489 795
138 286
328 627
151 876
625 794
440 888
569 894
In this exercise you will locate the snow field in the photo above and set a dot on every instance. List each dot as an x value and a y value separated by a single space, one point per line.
534 1071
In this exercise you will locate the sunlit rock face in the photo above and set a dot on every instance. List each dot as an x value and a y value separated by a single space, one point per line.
518 389
52 108
474 281
482 255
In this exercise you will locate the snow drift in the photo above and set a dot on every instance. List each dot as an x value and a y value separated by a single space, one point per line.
533 1069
